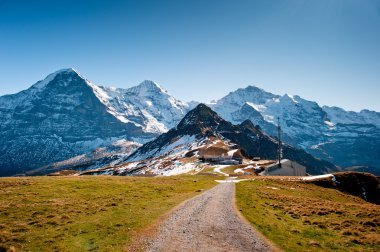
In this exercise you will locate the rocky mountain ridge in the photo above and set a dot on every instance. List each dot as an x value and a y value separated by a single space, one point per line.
342 137
65 115
203 123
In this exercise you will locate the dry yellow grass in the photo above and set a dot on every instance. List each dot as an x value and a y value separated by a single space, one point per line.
299 216
99 213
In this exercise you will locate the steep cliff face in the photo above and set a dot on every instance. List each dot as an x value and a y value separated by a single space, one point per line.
56 119
147 105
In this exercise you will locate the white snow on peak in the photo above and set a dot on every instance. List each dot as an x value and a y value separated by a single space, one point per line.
298 117
147 105
289 98
250 94
68 70
235 100
148 85
42 83
106 99
25 97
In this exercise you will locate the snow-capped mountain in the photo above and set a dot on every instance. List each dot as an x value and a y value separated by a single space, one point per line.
300 119
202 132
65 115
235 100
147 105
339 115
344 138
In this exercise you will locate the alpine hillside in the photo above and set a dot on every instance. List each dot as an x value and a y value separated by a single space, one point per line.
202 135
65 115
331 133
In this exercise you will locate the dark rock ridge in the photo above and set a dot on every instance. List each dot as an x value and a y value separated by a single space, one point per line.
202 121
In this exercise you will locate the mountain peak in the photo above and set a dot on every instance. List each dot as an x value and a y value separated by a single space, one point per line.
147 88
199 119
65 71
254 88
288 98
150 83
150 86
237 98
202 112
201 107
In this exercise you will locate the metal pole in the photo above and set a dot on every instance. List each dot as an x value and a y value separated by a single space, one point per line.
279 142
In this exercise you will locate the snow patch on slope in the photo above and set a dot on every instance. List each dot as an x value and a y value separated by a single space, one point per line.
147 105
339 115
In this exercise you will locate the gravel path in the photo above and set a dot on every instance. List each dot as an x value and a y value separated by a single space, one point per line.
208 222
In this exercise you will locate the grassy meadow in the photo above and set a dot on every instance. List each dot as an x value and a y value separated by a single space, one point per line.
298 216
88 213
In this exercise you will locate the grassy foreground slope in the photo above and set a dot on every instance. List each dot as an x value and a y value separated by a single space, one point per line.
298 216
99 213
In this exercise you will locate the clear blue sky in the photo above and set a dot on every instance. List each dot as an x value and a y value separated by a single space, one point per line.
322 50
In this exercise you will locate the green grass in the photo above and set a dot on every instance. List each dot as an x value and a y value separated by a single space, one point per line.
298 216
98 213
230 169
208 170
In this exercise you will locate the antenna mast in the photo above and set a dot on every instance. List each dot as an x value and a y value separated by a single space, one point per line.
279 149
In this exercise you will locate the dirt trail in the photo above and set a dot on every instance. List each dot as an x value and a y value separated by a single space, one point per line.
208 222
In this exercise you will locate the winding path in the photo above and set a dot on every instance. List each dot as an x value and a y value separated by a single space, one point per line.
208 222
